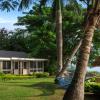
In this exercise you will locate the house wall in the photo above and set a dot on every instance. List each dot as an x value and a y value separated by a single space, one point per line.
22 67
16 72
25 71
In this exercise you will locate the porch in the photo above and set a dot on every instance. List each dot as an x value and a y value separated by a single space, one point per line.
22 66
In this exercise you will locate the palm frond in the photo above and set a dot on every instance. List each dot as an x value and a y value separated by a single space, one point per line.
75 5
43 2
25 4
8 4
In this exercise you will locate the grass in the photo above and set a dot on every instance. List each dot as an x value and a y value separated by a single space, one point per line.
30 89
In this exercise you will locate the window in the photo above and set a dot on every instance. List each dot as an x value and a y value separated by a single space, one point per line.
16 65
8 65
40 64
32 64
25 65
45 64
4 64
36 66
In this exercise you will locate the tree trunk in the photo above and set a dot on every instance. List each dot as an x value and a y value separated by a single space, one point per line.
76 90
59 37
68 59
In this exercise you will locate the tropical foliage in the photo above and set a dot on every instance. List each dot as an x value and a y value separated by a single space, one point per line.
52 31
8 5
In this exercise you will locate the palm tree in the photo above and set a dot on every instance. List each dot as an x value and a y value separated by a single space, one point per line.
59 37
76 89
8 5
56 4
57 7
69 58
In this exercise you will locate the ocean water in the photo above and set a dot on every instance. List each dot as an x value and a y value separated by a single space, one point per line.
97 69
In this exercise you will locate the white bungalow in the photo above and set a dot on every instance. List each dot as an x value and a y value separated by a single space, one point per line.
18 63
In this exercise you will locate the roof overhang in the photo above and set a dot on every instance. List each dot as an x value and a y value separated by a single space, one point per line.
21 59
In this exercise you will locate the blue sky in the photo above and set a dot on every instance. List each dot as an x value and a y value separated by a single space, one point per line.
7 19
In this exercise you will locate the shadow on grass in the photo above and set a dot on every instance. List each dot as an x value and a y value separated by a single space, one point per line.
47 88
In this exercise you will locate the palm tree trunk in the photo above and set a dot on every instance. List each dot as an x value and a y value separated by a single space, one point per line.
59 37
68 59
76 89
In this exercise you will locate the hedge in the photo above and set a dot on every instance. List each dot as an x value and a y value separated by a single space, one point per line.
40 75
92 86
14 77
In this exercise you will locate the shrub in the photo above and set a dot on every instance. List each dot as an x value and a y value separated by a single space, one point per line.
91 79
52 70
40 75
1 73
88 87
15 77
96 88
34 74
92 87
94 79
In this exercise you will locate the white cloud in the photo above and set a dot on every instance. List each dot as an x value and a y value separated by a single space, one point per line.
9 24
2 20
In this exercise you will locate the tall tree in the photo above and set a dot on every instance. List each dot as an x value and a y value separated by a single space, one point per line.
57 3
57 6
69 58
70 22
59 36
76 89
4 39
18 41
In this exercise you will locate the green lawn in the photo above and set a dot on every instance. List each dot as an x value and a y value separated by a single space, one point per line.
32 89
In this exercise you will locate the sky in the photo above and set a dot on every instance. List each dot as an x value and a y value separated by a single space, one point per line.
7 19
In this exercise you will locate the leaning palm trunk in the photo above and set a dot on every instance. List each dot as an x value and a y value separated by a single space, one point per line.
59 37
76 89
69 58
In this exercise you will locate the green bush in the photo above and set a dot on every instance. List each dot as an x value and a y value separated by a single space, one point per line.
88 87
91 79
15 77
40 75
52 70
1 73
92 87
34 74
94 79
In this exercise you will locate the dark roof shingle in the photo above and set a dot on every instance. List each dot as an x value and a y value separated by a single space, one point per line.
4 53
